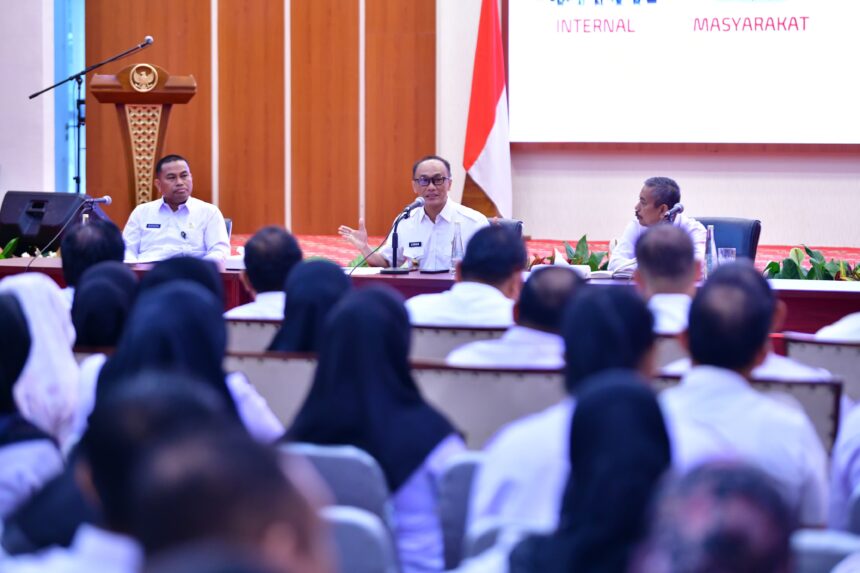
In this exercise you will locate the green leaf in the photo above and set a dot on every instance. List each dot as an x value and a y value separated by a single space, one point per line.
569 252
9 249
772 270
581 252
604 266
790 269
832 267
795 255
355 262
600 256
814 255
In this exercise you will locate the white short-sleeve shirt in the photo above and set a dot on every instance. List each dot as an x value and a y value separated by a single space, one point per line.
624 254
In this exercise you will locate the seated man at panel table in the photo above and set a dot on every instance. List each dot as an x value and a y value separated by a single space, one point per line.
488 281
656 199
270 255
427 234
85 245
714 413
666 276
535 341
176 224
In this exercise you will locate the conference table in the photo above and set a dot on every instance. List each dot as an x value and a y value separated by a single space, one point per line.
811 304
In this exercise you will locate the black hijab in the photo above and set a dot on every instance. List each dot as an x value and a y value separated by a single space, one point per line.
619 449
313 288
14 349
363 392
103 299
175 327
202 272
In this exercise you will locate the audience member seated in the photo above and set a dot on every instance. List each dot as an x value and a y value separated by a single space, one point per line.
270 255
657 197
488 281
363 394
207 557
619 450
178 327
844 469
85 245
525 467
313 289
714 413
47 390
145 409
846 329
719 517
224 489
666 276
28 456
204 273
774 366
535 341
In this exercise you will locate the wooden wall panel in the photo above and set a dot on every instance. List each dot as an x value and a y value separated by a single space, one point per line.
401 102
324 92
251 113
182 34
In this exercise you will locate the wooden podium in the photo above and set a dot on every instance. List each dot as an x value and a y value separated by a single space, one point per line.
143 94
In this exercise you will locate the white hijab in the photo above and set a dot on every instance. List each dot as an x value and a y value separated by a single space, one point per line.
47 390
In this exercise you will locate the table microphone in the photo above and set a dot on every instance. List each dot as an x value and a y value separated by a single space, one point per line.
673 212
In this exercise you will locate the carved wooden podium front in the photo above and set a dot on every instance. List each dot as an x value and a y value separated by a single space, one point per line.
143 94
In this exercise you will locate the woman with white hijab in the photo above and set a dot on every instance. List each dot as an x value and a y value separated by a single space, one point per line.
47 390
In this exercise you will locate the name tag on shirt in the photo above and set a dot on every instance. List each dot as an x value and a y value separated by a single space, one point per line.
415 244
153 225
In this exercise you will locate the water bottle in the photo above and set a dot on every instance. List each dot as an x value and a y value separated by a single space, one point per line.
710 252
456 248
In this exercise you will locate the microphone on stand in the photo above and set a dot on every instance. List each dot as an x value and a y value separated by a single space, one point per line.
146 41
673 212
106 200
419 202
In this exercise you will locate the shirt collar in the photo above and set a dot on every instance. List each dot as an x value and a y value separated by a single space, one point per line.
525 334
447 212
716 379
105 546
470 288
165 206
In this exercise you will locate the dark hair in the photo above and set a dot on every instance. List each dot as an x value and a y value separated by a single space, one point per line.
14 349
430 158
545 295
87 244
666 191
219 486
665 252
207 557
169 159
730 317
145 408
493 254
270 255
200 271
605 328
103 300
724 496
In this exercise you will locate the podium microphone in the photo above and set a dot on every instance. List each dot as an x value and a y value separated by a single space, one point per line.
106 200
146 42
419 202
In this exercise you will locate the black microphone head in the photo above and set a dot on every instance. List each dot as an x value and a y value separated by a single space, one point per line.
148 40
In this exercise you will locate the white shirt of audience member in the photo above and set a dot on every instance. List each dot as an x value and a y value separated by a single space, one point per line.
845 470
464 304
846 329
266 306
670 312
519 347
24 468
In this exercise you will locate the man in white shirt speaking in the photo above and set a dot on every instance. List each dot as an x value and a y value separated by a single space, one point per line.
177 224
656 199
426 235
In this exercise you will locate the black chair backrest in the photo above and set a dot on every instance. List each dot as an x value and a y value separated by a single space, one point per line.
742 234
514 224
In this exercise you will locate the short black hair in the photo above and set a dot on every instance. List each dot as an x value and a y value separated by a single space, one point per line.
545 295
169 159
493 254
605 328
14 349
220 486
87 244
665 252
666 191
270 255
200 271
148 407
730 317
429 158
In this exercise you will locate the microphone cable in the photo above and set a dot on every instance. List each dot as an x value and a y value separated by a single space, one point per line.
71 218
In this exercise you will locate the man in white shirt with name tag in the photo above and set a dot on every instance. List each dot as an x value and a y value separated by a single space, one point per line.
427 234
177 224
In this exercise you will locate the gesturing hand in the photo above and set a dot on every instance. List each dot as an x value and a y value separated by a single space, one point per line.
358 237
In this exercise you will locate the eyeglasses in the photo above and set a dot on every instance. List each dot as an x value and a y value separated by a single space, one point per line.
437 180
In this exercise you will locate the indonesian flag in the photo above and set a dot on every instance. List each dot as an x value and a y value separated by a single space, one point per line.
487 155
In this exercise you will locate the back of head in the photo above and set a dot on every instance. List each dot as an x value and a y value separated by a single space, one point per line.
730 318
493 255
149 407
207 557
270 255
87 244
14 349
718 518
666 191
666 259
200 271
103 300
605 328
313 289
544 297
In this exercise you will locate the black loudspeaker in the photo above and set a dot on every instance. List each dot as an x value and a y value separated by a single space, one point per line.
37 218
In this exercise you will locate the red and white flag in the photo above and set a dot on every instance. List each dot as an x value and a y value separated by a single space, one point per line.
487 154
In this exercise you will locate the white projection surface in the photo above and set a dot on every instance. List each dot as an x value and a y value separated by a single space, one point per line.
684 71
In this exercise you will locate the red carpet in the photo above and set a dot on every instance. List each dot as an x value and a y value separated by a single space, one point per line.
338 250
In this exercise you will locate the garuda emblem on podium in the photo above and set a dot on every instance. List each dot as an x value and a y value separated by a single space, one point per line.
143 77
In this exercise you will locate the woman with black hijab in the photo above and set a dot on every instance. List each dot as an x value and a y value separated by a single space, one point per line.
364 395
178 327
619 450
313 288
28 456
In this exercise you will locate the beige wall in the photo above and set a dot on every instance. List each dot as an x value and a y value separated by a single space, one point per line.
801 195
